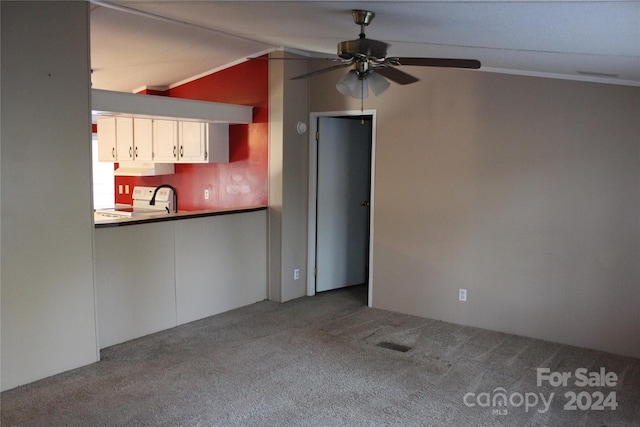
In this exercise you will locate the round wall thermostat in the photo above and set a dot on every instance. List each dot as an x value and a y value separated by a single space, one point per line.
301 127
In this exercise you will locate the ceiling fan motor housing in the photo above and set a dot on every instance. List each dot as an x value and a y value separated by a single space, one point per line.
362 17
362 48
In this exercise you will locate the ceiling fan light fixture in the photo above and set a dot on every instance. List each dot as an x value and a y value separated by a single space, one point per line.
352 85
347 84
377 83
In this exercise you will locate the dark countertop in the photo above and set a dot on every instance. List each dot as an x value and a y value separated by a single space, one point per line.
120 222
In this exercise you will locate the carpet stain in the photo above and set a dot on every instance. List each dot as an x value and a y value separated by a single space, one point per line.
393 346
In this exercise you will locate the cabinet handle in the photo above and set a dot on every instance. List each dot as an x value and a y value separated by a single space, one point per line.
174 151
181 151
113 152
130 152
136 152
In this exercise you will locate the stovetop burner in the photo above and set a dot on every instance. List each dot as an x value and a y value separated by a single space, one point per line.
128 211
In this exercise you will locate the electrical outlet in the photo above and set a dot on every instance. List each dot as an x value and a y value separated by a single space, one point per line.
126 189
207 194
120 189
296 274
462 295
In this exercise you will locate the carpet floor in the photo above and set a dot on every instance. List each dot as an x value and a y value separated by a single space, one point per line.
329 360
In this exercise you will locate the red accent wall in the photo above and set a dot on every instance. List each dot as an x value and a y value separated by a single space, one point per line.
242 181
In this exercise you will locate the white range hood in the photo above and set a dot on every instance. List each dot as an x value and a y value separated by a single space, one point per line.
144 169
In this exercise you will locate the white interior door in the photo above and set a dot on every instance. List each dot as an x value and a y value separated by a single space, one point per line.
343 195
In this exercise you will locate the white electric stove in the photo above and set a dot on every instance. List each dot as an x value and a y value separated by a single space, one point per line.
141 207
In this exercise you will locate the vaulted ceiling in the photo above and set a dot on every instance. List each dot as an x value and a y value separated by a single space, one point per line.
161 43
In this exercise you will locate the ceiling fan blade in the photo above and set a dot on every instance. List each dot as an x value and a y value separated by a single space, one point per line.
322 71
437 62
301 58
396 75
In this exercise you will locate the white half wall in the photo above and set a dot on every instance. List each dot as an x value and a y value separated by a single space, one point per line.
221 264
152 277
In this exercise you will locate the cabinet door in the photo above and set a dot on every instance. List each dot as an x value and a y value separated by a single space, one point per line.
124 138
203 142
143 140
106 139
165 141
192 142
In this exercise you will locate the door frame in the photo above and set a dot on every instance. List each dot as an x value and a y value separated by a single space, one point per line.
313 182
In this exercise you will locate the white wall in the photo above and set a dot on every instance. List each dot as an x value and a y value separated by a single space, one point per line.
104 192
523 190
47 289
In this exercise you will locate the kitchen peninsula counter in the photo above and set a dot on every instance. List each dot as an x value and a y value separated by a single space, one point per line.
173 216
169 270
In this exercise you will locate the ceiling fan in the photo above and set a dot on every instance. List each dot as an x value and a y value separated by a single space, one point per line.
371 64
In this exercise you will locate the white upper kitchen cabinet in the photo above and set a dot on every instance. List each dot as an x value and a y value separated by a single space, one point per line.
127 139
106 139
165 141
203 142
192 141
143 139
124 138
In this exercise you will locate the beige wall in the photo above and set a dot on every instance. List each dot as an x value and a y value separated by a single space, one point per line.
288 178
48 305
523 190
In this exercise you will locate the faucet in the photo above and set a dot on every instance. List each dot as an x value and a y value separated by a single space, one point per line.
152 202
